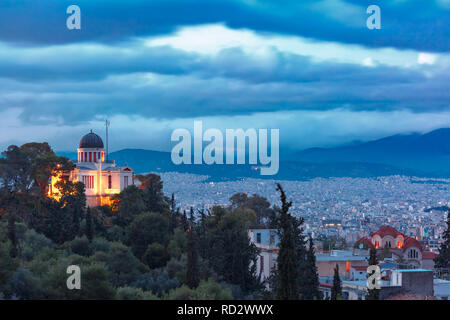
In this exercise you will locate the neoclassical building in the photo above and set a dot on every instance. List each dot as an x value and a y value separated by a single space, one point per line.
402 247
102 179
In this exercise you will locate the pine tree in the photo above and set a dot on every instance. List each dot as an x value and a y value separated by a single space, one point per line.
287 272
192 272
373 294
442 261
12 234
89 226
336 290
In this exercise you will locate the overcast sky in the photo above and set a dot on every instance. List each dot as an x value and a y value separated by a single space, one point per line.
310 68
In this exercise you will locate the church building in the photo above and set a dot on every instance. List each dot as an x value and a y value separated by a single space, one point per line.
102 178
400 246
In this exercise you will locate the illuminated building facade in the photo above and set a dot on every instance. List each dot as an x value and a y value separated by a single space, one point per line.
102 178
402 247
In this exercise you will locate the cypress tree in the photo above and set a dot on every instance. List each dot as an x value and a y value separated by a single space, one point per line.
184 221
287 272
442 261
192 272
310 290
89 226
373 294
336 290
303 273
172 203
191 216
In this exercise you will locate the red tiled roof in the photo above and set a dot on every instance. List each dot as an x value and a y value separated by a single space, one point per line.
327 285
387 231
366 241
411 242
428 255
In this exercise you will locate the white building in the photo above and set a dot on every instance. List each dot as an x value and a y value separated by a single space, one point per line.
266 240
102 179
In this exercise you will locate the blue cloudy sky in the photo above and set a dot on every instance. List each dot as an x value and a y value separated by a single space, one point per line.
310 68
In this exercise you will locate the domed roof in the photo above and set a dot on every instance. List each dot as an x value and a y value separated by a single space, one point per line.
387 231
91 140
411 242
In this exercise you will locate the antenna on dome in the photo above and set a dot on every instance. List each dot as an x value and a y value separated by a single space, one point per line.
107 123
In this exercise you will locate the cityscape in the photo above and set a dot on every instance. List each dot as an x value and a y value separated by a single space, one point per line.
344 207
223 158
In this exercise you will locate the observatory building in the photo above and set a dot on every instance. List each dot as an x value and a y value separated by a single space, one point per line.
102 178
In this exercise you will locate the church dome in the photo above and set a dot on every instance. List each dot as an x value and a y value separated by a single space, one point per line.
91 140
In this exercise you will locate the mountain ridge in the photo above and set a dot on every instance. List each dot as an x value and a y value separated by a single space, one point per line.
415 154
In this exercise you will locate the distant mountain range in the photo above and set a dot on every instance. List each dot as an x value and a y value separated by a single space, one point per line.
426 155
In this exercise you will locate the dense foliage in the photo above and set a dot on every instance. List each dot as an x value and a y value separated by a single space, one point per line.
142 247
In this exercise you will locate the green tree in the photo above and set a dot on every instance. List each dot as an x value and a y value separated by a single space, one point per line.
154 198
89 226
442 261
8 265
336 289
12 234
156 256
157 281
287 271
27 169
54 222
128 204
124 268
146 229
130 293
207 290
23 285
230 253
192 273
178 243
73 203
260 205
310 286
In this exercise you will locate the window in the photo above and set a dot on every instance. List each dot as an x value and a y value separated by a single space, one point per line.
109 182
90 156
95 156
125 181
88 182
258 237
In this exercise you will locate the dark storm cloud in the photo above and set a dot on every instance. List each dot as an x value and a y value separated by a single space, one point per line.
160 82
96 62
417 24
